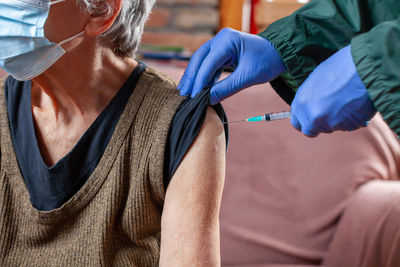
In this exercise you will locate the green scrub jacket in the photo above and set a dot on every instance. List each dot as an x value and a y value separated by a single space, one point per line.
320 28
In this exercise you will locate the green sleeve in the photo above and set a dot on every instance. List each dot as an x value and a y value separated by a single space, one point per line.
377 58
319 29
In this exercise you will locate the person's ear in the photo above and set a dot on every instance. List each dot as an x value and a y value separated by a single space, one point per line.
103 17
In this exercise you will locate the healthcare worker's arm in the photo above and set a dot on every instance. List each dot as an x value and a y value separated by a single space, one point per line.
304 39
377 57
316 32
322 27
190 219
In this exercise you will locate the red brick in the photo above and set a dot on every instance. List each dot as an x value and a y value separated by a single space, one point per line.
159 18
187 40
190 18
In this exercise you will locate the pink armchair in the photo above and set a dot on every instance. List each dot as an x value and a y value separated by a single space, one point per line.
294 201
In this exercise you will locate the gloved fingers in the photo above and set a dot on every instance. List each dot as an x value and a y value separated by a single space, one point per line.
368 115
186 84
303 124
210 68
225 88
295 123
216 78
346 124
310 132
366 119
309 127
321 126
352 121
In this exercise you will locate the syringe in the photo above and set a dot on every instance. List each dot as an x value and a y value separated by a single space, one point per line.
267 117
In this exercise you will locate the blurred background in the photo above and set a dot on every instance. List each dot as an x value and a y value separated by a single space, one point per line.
177 28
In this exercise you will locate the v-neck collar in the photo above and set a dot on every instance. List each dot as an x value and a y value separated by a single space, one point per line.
95 180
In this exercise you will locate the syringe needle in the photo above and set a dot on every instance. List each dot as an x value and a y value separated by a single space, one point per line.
227 122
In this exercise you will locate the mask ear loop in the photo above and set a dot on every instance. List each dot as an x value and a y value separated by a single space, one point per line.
56 2
71 38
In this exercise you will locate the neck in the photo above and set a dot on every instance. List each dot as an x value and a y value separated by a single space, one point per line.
69 96
81 83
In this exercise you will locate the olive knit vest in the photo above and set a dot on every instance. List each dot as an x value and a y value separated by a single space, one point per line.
115 218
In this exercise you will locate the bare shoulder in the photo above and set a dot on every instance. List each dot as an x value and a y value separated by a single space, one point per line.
204 164
212 135
190 219
206 156
212 125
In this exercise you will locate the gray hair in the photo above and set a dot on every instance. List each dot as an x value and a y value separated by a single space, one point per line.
124 35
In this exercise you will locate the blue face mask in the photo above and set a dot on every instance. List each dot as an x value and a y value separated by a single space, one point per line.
24 51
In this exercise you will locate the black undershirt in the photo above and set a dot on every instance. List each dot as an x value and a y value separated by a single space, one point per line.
51 187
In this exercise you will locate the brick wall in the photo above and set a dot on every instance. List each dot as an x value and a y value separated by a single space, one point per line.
185 23
268 11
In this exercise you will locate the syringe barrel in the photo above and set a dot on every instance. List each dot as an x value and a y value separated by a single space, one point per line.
277 116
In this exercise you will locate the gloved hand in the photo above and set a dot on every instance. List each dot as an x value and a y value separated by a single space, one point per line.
332 98
253 58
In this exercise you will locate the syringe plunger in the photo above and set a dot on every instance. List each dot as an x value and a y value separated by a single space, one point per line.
277 116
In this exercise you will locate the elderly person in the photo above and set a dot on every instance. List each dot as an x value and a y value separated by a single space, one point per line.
97 150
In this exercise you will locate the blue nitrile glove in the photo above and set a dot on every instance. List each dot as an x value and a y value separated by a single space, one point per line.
332 98
253 58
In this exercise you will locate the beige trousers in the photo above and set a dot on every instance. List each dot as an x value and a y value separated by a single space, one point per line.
368 233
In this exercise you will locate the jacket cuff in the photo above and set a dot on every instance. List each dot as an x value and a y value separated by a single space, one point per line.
293 63
369 67
287 84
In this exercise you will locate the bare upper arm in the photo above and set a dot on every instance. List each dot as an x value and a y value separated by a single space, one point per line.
190 219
